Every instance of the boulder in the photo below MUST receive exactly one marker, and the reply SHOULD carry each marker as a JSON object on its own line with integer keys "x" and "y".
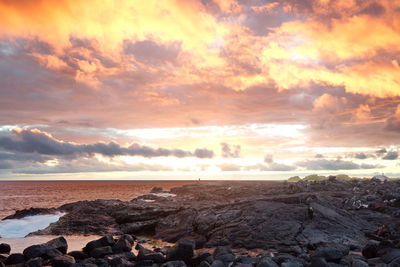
{"x": 42, "y": 251}
{"x": 292, "y": 263}
{"x": 149, "y": 255}
{"x": 370, "y": 250}
{"x": 35, "y": 262}
{"x": 318, "y": 262}
{"x": 62, "y": 261}
{"x": 122, "y": 245}
{"x": 267, "y": 262}
{"x": 58, "y": 243}
{"x": 174, "y": 264}
{"x": 15, "y": 258}
{"x": 183, "y": 251}
{"x": 204, "y": 264}
{"x": 332, "y": 251}
{"x": 5, "y": 248}
{"x": 224, "y": 254}
{"x": 217, "y": 263}
{"x": 101, "y": 252}
{"x": 78, "y": 255}
{"x": 107, "y": 240}
{"x": 391, "y": 255}
{"x": 359, "y": 263}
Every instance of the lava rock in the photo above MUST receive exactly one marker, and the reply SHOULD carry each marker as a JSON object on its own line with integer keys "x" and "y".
{"x": 78, "y": 255}
{"x": 62, "y": 261}
{"x": 35, "y": 262}
{"x": 5, "y": 248}
{"x": 217, "y": 263}
{"x": 42, "y": 251}
{"x": 101, "y": 252}
{"x": 183, "y": 251}
{"x": 105, "y": 241}
{"x": 359, "y": 263}
{"x": 267, "y": 262}
{"x": 149, "y": 255}
{"x": 174, "y": 264}
{"x": 332, "y": 251}
{"x": 223, "y": 254}
{"x": 370, "y": 250}
{"x": 15, "y": 258}
{"x": 122, "y": 245}
{"x": 58, "y": 243}
{"x": 391, "y": 255}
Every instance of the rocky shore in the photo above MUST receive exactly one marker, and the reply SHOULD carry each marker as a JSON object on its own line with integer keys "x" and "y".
{"x": 251, "y": 224}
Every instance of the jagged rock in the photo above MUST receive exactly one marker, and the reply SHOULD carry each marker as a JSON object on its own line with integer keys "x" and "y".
{"x": 371, "y": 249}
{"x": 149, "y": 255}
{"x": 101, "y": 252}
{"x": 359, "y": 263}
{"x": 204, "y": 264}
{"x": 105, "y": 241}
{"x": 291, "y": 263}
{"x": 217, "y": 263}
{"x": 122, "y": 245}
{"x": 43, "y": 251}
{"x": 15, "y": 258}
{"x": 62, "y": 261}
{"x": 318, "y": 262}
{"x": 59, "y": 243}
{"x": 224, "y": 254}
{"x": 391, "y": 255}
{"x": 5, "y": 248}
{"x": 35, "y": 262}
{"x": 174, "y": 264}
{"x": 267, "y": 262}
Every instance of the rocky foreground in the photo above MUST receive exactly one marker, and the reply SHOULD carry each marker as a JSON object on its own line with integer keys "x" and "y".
{"x": 251, "y": 224}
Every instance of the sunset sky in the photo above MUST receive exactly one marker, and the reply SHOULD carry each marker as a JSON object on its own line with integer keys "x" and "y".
{"x": 171, "y": 89}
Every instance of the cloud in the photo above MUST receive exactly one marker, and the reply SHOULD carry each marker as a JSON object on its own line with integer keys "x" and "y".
{"x": 324, "y": 164}
{"x": 360, "y": 156}
{"x": 36, "y": 141}
{"x": 391, "y": 155}
{"x": 228, "y": 151}
{"x": 278, "y": 167}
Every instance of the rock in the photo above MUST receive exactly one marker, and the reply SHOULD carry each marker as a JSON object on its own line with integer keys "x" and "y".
{"x": 267, "y": 262}
{"x": 370, "y": 250}
{"x": 291, "y": 263}
{"x": 105, "y": 241}
{"x": 204, "y": 264}
{"x": 62, "y": 261}
{"x": 120, "y": 261}
{"x": 391, "y": 255}
{"x": 174, "y": 264}
{"x": 15, "y": 258}
{"x": 224, "y": 254}
{"x": 332, "y": 251}
{"x": 58, "y": 243}
{"x": 122, "y": 245}
{"x": 395, "y": 263}
{"x": 318, "y": 262}
{"x": 78, "y": 255}
{"x": 127, "y": 256}
{"x": 5, "y": 248}
{"x": 218, "y": 263}
{"x": 42, "y": 251}
{"x": 149, "y": 255}
{"x": 183, "y": 251}
{"x": 156, "y": 189}
{"x": 359, "y": 263}
{"x": 35, "y": 262}
{"x": 101, "y": 252}
{"x": 83, "y": 265}
{"x": 202, "y": 256}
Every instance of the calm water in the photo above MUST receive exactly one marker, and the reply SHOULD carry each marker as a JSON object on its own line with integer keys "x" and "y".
{"x": 46, "y": 194}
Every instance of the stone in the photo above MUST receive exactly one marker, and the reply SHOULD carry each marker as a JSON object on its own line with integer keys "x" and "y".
{"x": 332, "y": 251}
{"x": 292, "y": 263}
{"x": 318, "y": 262}
{"x": 62, "y": 261}
{"x": 105, "y": 241}
{"x": 370, "y": 250}
{"x": 217, "y": 263}
{"x": 78, "y": 255}
{"x": 122, "y": 245}
{"x": 59, "y": 243}
{"x": 174, "y": 264}
{"x": 267, "y": 262}
{"x": 149, "y": 255}
{"x": 182, "y": 251}
{"x": 15, "y": 258}
{"x": 391, "y": 255}
{"x": 101, "y": 252}
{"x": 35, "y": 262}
{"x": 224, "y": 254}
{"x": 359, "y": 263}
{"x": 5, "y": 248}
{"x": 43, "y": 251}
{"x": 204, "y": 264}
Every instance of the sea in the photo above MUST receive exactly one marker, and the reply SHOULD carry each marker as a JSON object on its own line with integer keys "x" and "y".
{"x": 17, "y": 195}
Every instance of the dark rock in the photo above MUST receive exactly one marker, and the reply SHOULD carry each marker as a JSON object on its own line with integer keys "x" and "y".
{"x": 149, "y": 255}
{"x": 224, "y": 254}
{"x": 370, "y": 250}
{"x": 62, "y": 261}
{"x": 204, "y": 264}
{"x": 395, "y": 263}
{"x": 245, "y": 260}
{"x": 101, "y": 252}
{"x": 83, "y": 265}
{"x": 78, "y": 255}
{"x": 391, "y": 255}
{"x": 120, "y": 261}
{"x": 43, "y": 251}
{"x": 218, "y": 263}
{"x": 183, "y": 251}
{"x": 359, "y": 263}
{"x": 122, "y": 245}
{"x": 35, "y": 262}
{"x": 5, "y": 248}
{"x": 19, "y": 214}
{"x": 15, "y": 258}
{"x": 156, "y": 189}
{"x": 197, "y": 259}
{"x": 105, "y": 241}
{"x": 291, "y": 263}
{"x": 58, "y": 243}
{"x": 332, "y": 251}
{"x": 174, "y": 264}
{"x": 129, "y": 256}
{"x": 318, "y": 262}
{"x": 267, "y": 262}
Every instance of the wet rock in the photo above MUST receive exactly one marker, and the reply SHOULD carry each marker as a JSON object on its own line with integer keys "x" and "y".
{"x": 35, "y": 262}
{"x": 122, "y": 245}
{"x": 15, "y": 258}
{"x": 174, "y": 264}
{"x": 62, "y": 261}
{"x": 182, "y": 251}
{"x": 101, "y": 252}
{"x": 332, "y": 251}
{"x": 5, "y": 248}
{"x": 78, "y": 255}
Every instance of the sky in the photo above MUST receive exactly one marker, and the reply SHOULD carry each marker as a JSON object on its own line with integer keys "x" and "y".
{"x": 187, "y": 89}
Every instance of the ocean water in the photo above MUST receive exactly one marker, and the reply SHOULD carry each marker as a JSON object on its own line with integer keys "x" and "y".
{"x": 47, "y": 194}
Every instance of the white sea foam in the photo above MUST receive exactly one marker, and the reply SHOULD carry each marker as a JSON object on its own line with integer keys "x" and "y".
{"x": 15, "y": 228}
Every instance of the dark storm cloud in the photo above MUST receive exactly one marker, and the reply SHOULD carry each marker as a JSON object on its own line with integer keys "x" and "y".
{"x": 35, "y": 141}
{"x": 360, "y": 156}
{"x": 23, "y": 157}
{"x": 228, "y": 151}
{"x": 391, "y": 155}
{"x": 151, "y": 52}
{"x": 324, "y": 164}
